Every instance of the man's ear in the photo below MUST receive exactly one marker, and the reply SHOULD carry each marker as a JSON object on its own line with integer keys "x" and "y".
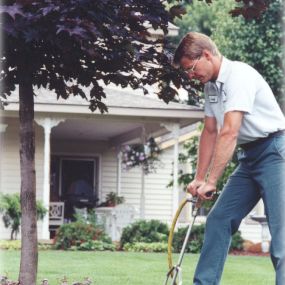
{"x": 207, "y": 54}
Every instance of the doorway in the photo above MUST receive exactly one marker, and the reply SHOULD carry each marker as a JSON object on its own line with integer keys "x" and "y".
{"x": 75, "y": 182}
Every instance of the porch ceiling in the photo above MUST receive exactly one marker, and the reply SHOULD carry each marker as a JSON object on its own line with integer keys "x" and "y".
{"x": 128, "y": 113}
{"x": 91, "y": 129}
{"x": 114, "y": 131}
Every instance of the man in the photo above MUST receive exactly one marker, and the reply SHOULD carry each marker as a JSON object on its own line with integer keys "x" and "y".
{"x": 240, "y": 109}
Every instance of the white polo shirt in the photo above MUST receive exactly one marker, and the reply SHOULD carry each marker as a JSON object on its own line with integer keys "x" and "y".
{"x": 239, "y": 87}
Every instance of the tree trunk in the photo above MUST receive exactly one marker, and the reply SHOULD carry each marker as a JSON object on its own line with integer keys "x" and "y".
{"x": 29, "y": 250}
{"x": 12, "y": 235}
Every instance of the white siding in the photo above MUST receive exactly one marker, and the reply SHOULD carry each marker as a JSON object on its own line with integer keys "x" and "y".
{"x": 158, "y": 195}
{"x": 108, "y": 174}
{"x": 10, "y": 180}
{"x": 158, "y": 198}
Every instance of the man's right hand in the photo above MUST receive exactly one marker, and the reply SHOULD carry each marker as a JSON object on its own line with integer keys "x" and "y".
{"x": 194, "y": 185}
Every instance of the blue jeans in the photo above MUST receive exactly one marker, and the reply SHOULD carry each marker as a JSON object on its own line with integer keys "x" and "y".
{"x": 260, "y": 174}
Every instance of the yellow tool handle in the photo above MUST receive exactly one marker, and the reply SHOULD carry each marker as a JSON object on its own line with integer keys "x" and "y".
{"x": 171, "y": 233}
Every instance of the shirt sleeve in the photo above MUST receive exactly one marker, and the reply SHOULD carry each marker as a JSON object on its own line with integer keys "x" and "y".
{"x": 207, "y": 108}
{"x": 240, "y": 92}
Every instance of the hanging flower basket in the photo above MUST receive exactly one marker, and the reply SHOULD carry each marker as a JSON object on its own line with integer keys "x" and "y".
{"x": 146, "y": 156}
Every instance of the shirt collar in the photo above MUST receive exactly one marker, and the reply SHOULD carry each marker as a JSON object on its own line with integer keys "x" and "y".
{"x": 224, "y": 70}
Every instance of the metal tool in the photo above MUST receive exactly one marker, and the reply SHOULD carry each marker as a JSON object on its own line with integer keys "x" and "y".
{"x": 175, "y": 271}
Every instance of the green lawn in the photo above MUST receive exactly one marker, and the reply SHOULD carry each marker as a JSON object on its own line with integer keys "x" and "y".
{"x": 121, "y": 268}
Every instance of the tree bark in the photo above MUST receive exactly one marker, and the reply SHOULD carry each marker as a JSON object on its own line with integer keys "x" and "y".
{"x": 29, "y": 250}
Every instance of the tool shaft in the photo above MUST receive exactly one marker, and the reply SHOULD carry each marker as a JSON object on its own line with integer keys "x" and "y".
{"x": 182, "y": 252}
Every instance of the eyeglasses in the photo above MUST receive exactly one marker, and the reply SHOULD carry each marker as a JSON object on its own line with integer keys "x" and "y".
{"x": 192, "y": 68}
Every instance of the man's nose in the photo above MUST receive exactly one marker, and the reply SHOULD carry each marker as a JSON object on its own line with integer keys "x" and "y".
{"x": 191, "y": 75}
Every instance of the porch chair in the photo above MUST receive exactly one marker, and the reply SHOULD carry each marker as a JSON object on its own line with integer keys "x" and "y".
{"x": 56, "y": 216}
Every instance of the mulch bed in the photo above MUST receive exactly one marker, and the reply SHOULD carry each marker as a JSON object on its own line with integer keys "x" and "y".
{"x": 248, "y": 253}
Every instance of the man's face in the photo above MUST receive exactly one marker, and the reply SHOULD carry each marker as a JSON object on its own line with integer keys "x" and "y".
{"x": 200, "y": 68}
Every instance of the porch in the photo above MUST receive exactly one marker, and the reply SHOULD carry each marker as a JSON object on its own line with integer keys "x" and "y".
{"x": 75, "y": 146}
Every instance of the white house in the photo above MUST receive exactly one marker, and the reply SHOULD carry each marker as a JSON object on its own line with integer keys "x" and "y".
{"x": 72, "y": 144}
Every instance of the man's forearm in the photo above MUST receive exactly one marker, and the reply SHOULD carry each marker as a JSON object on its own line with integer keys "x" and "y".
{"x": 224, "y": 149}
{"x": 205, "y": 153}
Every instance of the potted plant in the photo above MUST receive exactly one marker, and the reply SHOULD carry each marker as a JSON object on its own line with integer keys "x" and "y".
{"x": 145, "y": 155}
{"x": 112, "y": 199}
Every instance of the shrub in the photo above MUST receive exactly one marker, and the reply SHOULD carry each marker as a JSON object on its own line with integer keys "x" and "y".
{"x": 98, "y": 245}
{"x": 83, "y": 234}
{"x": 196, "y": 239}
{"x": 76, "y": 233}
{"x": 146, "y": 247}
{"x": 10, "y": 245}
{"x": 16, "y": 245}
{"x": 145, "y": 231}
{"x": 10, "y": 207}
{"x": 237, "y": 241}
{"x": 44, "y": 246}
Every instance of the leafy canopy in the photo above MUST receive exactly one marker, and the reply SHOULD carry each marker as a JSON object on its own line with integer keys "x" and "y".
{"x": 68, "y": 45}
{"x": 258, "y": 41}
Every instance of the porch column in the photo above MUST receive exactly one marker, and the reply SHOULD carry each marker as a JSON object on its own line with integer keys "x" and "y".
{"x": 175, "y": 130}
{"x": 47, "y": 124}
{"x": 2, "y": 130}
{"x": 142, "y": 198}
{"x": 119, "y": 172}
{"x": 260, "y": 208}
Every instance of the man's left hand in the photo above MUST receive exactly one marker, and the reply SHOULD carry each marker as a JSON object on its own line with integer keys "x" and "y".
{"x": 206, "y": 191}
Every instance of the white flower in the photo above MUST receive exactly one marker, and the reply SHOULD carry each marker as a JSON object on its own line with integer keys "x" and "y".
{"x": 146, "y": 150}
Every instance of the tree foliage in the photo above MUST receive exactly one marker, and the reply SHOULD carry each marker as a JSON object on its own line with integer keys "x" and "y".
{"x": 201, "y": 17}
{"x": 65, "y": 46}
{"x": 189, "y": 157}
{"x": 257, "y": 41}
{"x": 68, "y": 45}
